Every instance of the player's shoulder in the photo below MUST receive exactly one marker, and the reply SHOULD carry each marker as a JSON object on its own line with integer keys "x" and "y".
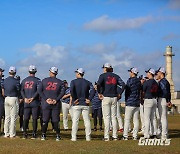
{"x": 26, "y": 78}
{"x": 87, "y": 81}
{"x": 37, "y": 79}
{"x": 45, "y": 79}
{"x": 60, "y": 81}
{"x": 115, "y": 75}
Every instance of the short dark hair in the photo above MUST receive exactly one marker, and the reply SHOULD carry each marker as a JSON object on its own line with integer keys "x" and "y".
{"x": 12, "y": 73}
{"x": 109, "y": 69}
{"x": 81, "y": 74}
{"x": 32, "y": 72}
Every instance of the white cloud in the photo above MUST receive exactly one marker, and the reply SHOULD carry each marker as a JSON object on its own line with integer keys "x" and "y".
{"x": 44, "y": 56}
{"x": 171, "y": 36}
{"x": 48, "y": 53}
{"x": 174, "y": 4}
{"x": 121, "y": 59}
{"x": 107, "y": 24}
{"x": 99, "y": 48}
{"x": 2, "y": 62}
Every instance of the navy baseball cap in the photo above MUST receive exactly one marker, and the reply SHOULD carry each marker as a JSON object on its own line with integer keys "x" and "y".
{"x": 1, "y": 70}
{"x": 65, "y": 81}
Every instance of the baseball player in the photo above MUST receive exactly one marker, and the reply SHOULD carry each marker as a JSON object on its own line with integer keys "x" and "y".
{"x": 30, "y": 95}
{"x": 142, "y": 79}
{"x": 82, "y": 94}
{"x": 11, "y": 92}
{"x": 96, "y": 108}
{"x": 21, "y": 107}
{"x": 119, "y": 118}
{"x": 1, "y": 97}
{"x": 107, "y": 89}
{"x": 150, "y": 92}
{"x": 66, "y": 106}
{"x": 132, "y": 101}
{"x": 51, "y": 90}
{"x": 164, "y": 100}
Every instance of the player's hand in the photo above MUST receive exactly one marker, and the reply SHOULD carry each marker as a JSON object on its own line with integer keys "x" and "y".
{"x": 30, "y": 100}
{"x": 88, "y": 101}
{"x": 101, "y": 97}
{"x": 20, "y": 101}
{"x": 26, "y": 100}
{"x": 118, "y": 96}
{"x": 49, "y": 101}
{"x": 169, "y": 104}
{"x": 54, "y": 101}
{"x": 76, "y": 102}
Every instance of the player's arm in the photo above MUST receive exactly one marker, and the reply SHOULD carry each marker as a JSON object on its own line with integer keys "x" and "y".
{"x": 67, "y": 95}
{"x": 61, "y": 92}
{"x": 91, "y": 91}
{"x": 72, "y": 89}
{"x": 18, "y": 86}
{"x": 36, "y": 93}
{"x": 99, "y": 86}
{"x": 2, "y": 87}
{"x": 127, "y": 89}
{"x": 40, "y": 91}
{"x": 72, "y": 92}
{"x": 99, "y": 83}
{"x": 122, "y": 85}
{"x": 144, "y": 89}
{"x": 22, "y": 90}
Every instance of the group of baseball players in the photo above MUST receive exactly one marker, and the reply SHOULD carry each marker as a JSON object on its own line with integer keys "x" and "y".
{"x": 147, "y": 95}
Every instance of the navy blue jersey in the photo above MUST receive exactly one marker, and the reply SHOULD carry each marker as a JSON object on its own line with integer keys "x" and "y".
{"x": 81, "y": 89}
{"x": 52, "y": 88}
{"x": 29, "y": 88}
{"x": 11, "y": 87}
{"x": 66, "y": 100}
{"x": 150, "y": 89}
{"x": 107, "y": 84}
{"x": 1, "y": 97}
{"x": 132, "y": 92}
{"x": 96, "y": 102}
{"x": 164, "y": 89}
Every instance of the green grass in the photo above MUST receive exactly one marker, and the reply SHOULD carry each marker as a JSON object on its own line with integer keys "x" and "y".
{"x": 19, "y": 145}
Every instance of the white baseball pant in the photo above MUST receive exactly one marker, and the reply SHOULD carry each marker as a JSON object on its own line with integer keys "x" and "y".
{"x": 163, "y": 117}
{"x": 66, "y": 108}
{"x": 77, "y": 110}
{"x": 129, "y": 111}
{"x": 119, "y": 118}
{"x": 142, "y": 117}
{"x": 109, "y": 110}
{"x": 11, "y": 105}
{"x": 149, "y": 115}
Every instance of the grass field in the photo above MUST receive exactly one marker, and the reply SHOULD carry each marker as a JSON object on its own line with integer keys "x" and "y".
{"x": 27, "y": 146}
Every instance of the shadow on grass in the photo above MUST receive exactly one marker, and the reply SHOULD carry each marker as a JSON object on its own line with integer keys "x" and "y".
{"x": 174, "y": 133}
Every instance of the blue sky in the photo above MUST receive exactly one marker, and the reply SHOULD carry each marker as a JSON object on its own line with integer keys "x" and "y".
{"x": 87, "y": 33}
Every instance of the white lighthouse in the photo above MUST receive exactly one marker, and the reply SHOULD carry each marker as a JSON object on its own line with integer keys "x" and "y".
{"x": 168, "y": 55}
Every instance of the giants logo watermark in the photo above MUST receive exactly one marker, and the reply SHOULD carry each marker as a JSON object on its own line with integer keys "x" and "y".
{"x": 162, "y": 142}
